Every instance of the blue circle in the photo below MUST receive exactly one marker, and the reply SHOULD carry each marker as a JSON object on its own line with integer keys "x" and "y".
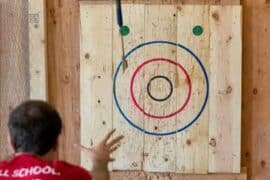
{"x": 171, "y": 132}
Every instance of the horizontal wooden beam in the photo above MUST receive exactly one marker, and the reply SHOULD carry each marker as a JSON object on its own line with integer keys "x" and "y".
{"x": 198, "y": 2}
{"x": 138, "y": 175}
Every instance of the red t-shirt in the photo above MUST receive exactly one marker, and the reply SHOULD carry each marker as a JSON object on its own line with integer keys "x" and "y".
{"x": 31, "y": 167}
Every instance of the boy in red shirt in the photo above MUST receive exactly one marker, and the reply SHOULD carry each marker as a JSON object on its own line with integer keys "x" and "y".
{"x": 34, "y": 127}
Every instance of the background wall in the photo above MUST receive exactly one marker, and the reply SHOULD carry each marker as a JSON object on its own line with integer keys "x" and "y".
{"x": 63, "y": 70}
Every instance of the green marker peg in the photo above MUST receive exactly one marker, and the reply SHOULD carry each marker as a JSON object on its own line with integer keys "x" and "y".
{"x": 197, "y": 30}
{"x": 124, "y": 30}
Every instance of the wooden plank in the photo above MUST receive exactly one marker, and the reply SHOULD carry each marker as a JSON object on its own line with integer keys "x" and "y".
{"x": 96, "y": 72}
{"x": 63, "y": 72}
{"x": 195, "y": 2}
{"x": 159, "y": 151}
{"x": 225, "y": 83}
{"x": 130, "y": 154}
{"x": 192, "y": 144}
{"x": 253, "y": 4}
{"x": 135, "y": 175}
{"x": 14, "y": 86}
{"x": 256, "y": 99}
{"x": 37, "y": 49}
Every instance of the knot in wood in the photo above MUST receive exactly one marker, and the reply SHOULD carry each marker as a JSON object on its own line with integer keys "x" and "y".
{"x": 213, "y": 142}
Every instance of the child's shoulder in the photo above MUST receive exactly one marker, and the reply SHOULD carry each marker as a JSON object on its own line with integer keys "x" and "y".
{"x": 71, "y": 169}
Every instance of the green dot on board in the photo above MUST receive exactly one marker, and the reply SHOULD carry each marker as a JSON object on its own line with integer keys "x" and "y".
{"x": 197, "y": 30}
{"x": 124, "y": 30}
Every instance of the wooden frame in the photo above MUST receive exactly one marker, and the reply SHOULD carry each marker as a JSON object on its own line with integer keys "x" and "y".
{"x": 93, "y": 68}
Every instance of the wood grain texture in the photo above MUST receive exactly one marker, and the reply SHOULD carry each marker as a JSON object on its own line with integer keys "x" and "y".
{"x": 225, "y": 88}
{"x": 255, "y": 134}
{"x": 96, "y": 72}
{"x": 135, "y": 175}
{"x": 63, "y": 72}
{"x": 130, "y": 153}
{"x": 256, "y": 99}
{"x": 163, "y": 22}
{"x": 251, "y": 39}
{"x": 195, "y": 2}
{"x": 14, "y": 75}
{"x": 249, "y": 4}
{"x": 37, "y": 49}
{"x": 160, "y": 152}
{"x": 192, "y": 144}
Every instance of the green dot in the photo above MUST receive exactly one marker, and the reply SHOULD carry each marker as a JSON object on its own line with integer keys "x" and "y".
{"x": 124, "y": 30}
{"x": 197, "y": 30}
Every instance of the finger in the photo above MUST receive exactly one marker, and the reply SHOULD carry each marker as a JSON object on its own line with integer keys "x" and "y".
{"x": 115, "y": 141}
{"x": 81, "y": 147}
{"x": 107, "y": 137}
{"x": 113, "y": 149}
{"x": 111, "y": 159}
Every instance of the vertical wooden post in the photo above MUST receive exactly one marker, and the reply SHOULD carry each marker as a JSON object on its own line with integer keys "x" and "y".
{"x": 37, "y": 49}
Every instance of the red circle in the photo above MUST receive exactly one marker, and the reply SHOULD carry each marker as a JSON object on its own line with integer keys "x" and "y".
{"x": 132, "y": 86}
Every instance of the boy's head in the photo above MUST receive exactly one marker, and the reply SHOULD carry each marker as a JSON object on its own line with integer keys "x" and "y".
{"x": 34, "y": 127}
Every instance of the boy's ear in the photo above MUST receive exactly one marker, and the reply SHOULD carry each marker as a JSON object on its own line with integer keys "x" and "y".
{"x": 10, "y": 146}
{"x": 54, "y": 148}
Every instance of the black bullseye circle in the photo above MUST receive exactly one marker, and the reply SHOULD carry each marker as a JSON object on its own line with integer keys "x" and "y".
{"x": 149, "y": 88}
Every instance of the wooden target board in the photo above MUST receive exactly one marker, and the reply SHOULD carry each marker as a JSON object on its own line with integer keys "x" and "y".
{"x": 179, "y": 102}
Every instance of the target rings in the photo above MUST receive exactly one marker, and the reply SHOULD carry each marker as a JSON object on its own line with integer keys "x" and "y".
{"x": 149, "y": 88}
{"x": 160, "y": 78}
{"x": 148, "y": 62}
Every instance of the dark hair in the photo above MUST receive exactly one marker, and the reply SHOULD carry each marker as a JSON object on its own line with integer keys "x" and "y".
{"x": 34, "y": 127}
